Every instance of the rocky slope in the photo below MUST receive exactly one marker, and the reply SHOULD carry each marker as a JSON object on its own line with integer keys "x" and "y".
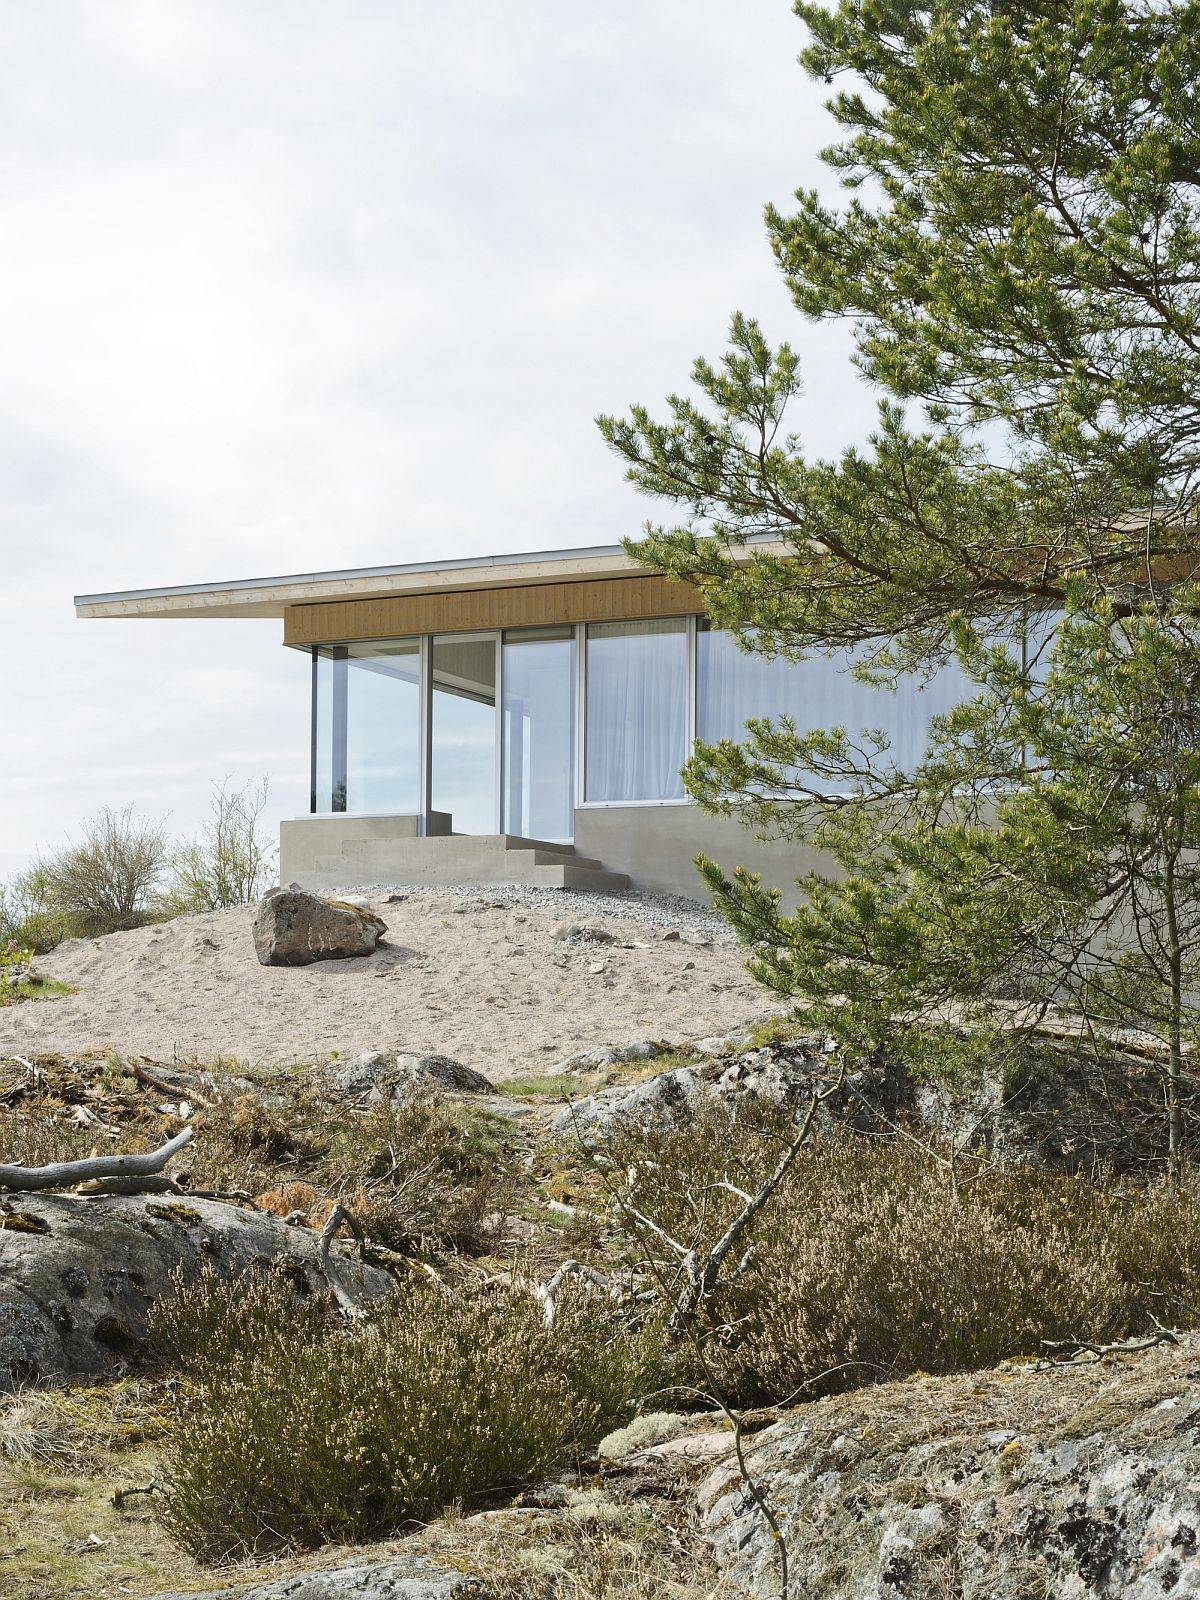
{"x": 1080, "y": 1482}
{"x": 79, "y": 1276}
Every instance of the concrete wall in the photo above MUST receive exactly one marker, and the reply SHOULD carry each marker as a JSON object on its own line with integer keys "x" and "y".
{"x": 655, "y": 846}
{"x": 306, "y": 842}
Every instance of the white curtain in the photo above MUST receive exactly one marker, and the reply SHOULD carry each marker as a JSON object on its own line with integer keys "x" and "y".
{"x": 821, "y": 692}
{"x": 636, "y": 710}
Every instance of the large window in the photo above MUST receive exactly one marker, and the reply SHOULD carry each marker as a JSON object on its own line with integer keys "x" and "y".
{"x": 366, "y": 720}
{"x": 514, "y": 767}
{"x": 734, "y": 685}
{"x": 539, "y": 732}
{"x": 463, "y": 745}
{"x": 637, "y": 698}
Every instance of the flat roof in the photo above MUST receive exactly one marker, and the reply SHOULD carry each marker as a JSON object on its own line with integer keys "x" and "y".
{"x": 267, "y": 597}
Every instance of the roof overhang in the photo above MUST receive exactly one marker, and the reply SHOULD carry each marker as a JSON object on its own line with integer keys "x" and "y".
{"x": 268, "y": 597}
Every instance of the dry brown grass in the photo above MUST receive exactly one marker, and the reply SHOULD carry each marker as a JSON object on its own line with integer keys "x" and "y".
{"x": 868, "y": 1264}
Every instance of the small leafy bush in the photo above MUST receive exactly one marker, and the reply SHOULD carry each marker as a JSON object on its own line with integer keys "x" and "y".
{"x": 107, "y": 880}
{"x": 868, "y": 1264}
{"x": 26, "y": 919}
{"x": 298, "y": 1429}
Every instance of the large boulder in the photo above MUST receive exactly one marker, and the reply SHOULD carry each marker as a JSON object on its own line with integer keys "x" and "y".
{"x": 398, "y": 1075}
{"x": 79, "y": 1276}
{"x": 294, "y": 928}
{"x": 1078, "y": 1482}
{"x": 410, "y": 1578}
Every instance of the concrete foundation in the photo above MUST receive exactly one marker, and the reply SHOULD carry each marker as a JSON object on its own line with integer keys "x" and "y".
{"x": 656, "y": 845}
{"x": 651, "y": 847}
{"x": 339, "y": 852}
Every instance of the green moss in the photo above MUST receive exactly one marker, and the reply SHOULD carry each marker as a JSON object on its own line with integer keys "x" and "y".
{"x": 173, "y": 1211}
{"x": 22, "y": 1222}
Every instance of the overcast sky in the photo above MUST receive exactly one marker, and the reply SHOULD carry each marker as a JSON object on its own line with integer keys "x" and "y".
{"x": 291, "y": 285}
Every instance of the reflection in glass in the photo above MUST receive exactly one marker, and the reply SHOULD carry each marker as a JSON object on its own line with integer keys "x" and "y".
{"x": 539, "y": 733}
{"x": 636, "y": 710}
{"x": 367, "y": 728}
{"x": 322, "y": 754}
{"x": 463, "y": 751}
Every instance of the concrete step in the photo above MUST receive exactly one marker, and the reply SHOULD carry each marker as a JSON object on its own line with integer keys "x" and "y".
{"x": 451, "y": 847}
{"x": 590, "y": 880}
{"x": 462, "y": 859}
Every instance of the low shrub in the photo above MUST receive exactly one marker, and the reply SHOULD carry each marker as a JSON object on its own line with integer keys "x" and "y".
{"x": 868, "y": 1264}
{"x": 107, "y": 880}
{"x": 25, "y": 918}
{"x": 419, "y": 1175}
{"x": 297, "y": 1429}
{"x": 231, "y": 862}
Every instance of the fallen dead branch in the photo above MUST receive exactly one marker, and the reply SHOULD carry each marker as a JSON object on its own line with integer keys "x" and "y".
{"x": 66, "y": 1174}
{"x": 547, "y": 1293}
{"x": 152, "y": 1080}
{"x": 1063, "y": 1352}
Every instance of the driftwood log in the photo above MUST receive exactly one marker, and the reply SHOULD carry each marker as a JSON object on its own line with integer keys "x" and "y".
{"x": 66, "y": 1174}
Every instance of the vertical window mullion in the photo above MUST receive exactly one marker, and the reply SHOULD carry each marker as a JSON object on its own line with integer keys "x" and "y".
{"x": 424, "y": 735}
{"x": 339, "y": 720}
{"x": 580, "y": 794}
{"x": 690, "y": 727}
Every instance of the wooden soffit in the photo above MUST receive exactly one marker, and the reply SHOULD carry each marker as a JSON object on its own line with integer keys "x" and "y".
{"x": 533, "y": 606}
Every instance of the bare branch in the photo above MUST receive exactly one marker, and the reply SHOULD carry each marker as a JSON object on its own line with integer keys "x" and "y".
{"x": 66, "y": 1174}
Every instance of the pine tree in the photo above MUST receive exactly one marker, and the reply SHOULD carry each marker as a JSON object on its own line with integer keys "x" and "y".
{"x": 1019, "y": 254}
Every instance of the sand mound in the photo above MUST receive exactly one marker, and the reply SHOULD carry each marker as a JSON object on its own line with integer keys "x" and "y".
{"x": 475, "y": 977}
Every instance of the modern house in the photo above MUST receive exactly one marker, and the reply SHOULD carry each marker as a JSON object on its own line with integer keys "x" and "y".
{"x": 524, "y": 718}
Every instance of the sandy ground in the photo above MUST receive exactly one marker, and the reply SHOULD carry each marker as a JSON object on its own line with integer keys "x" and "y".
{"x": 479, "y": 981}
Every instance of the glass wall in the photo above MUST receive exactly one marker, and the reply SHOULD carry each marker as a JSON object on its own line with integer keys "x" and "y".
{"x": 733, "y": 685}
{"x": 463, "y": 741}
{"x": 637, "y": 700}
{"x": 367, "y": 727}
{"x": 539, "y": 732}
{"x": 644, "y": 691}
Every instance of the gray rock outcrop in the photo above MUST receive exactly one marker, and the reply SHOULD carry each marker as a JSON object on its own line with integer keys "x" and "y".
{"x": 1077, "y": 1482}
{"x": 294, "y": 928}
{"x": 408, "y": 1579}
{"x": 611, "y": 1055}
{"x": 1053, "y": 1107}
{"x": 667, "y": 1098}
{"x": 80, "y": 1276}
{"x": 398, "y": 1075}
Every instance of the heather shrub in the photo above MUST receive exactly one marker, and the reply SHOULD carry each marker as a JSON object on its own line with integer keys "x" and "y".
{"x": 869, "y": 1264}
{"x": 423, "y": 1174}
{"x": 298, "y": 1429}
{"x": 430, "y": 1173}
{"x": 298, "y": 1434}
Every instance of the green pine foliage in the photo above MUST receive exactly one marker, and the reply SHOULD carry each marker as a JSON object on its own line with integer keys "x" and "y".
{"x": 1017, "y": 253}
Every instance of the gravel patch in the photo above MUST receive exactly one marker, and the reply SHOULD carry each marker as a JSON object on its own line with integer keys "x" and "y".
{"x": 575, "y": 905}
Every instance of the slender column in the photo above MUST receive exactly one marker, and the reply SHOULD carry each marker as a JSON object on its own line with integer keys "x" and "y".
{"x": 425, "y": 735}
{"x": 312, "y": 741}
{"x": 338, "y": 720}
